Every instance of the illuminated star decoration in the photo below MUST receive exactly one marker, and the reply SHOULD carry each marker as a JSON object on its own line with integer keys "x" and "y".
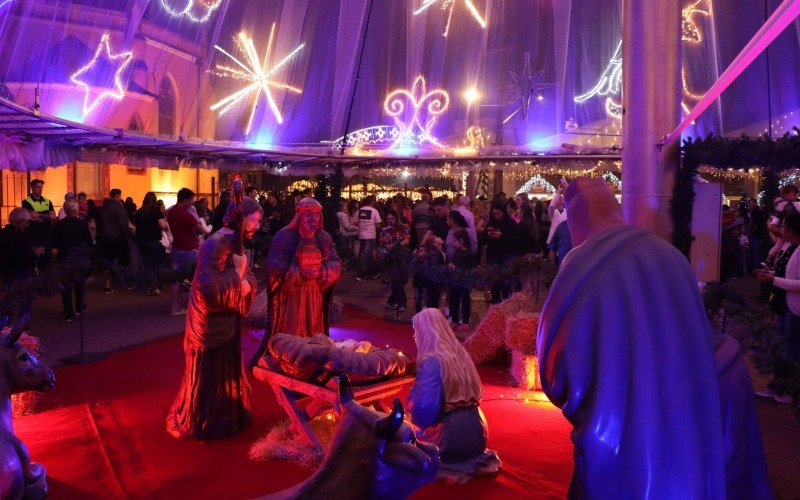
{"x": 121, "y": 61}
{"x": 257, "y": 73}
{"x": 609, "y": 84}
{"x": 524, "y": 86}
{"x": 447, "y": 5}
{"x": 424, "y": 109}
{"x": 198, "y": 11}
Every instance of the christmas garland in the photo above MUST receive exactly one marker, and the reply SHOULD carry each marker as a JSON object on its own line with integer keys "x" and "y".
{"x": 773, "y": 155}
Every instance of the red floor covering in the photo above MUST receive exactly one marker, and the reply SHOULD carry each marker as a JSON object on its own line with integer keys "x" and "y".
{"x": 101, "y": 434}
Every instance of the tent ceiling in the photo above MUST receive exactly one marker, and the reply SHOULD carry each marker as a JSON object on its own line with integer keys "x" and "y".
{"x": 101, "y": 144}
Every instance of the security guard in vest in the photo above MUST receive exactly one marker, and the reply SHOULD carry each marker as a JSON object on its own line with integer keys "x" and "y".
{"x": 42, "y": 217}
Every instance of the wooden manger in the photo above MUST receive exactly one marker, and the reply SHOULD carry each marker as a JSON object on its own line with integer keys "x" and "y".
{"x": 303, "y": 401}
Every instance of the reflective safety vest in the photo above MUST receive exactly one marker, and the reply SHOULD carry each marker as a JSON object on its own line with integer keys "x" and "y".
{"x": 41, "y": 206}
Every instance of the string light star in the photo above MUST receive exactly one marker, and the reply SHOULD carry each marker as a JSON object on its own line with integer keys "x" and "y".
{"x": 447, "y": 5}
{"x": 257, "y": 73}
{"x": 121, "y": 61}
{"x": 525, "y": 85}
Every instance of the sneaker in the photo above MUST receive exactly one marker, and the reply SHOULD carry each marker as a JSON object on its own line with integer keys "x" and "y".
{"x": 109, "y": 291}
{"x": 131, "y": 286}
{"x": 386, "y": 281}
{"x": 179, "y": 312}
{"x": 359, "y": 279}
{"x": 401, "y": 309}
{"x": 766, "y": 394}
{"x": 156, "y": 291}
{"x": 464, "y": 328}
{"x": 81, "y": 311}
{"x": 256, "y": 266}
{"x": 67, "y": 320}
{"x": 393, "y": 306}
{"x": 376, "y": 276}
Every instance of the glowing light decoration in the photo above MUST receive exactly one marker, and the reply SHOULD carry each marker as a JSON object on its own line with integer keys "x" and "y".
{"x": 613, "y": 181}
{"x": 537, "y": 183}
{"x": 415, "y": 112}
{"x": 257, "y": 74}
{"x": 121, "y": 61}
{"x": 448, "y": 5}
{"x": 525, "y": 84}
{"x": 3, "y": 3}
{"x": 380, "y": 136}
{"x": 198, "y": 11}
{"x": 691, "y": 32}
{"x": 609, "y": 84}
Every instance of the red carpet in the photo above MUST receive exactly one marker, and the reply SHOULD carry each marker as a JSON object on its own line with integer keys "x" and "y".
{"x": 101, "y": 434}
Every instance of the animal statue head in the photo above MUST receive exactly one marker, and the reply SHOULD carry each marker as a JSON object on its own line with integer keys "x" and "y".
{"x": 19, "y": 371}
{"x": 19, "y": 368}
{"x": 373, "y": 455}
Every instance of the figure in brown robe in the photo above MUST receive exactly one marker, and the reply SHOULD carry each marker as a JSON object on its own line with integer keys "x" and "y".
{"x": 214, "y": 399}
{"x": 303, "y": 269}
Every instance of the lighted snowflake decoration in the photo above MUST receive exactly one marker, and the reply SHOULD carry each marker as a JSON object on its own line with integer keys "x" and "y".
{"x": 257, "y": 74}
{"x": 447, "y": 6}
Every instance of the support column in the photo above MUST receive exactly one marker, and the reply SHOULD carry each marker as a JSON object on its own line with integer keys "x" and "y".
{"x": 651, "y": 97}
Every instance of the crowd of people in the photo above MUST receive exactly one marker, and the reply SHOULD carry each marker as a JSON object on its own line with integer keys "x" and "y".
{"x": 151, "y": 246}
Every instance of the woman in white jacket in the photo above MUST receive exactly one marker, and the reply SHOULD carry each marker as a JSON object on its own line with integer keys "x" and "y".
{"x": 789, "y": 281}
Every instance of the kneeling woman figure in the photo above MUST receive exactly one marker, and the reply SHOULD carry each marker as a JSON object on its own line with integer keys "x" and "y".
{"x": 444, "y": 402}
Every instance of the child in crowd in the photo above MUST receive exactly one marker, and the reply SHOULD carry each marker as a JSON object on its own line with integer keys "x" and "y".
{"x": 427, "y": 258}
{"x": 459, "y": 289}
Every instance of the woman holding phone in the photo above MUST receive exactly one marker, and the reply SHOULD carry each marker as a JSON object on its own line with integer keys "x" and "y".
{"x": 500, "y": 236}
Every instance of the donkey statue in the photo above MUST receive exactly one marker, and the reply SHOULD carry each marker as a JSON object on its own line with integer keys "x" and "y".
{"x": 372, "y": 456}
{"x": 19, "y": 371}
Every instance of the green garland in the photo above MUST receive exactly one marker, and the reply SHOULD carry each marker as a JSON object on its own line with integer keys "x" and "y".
{"x": 772, "y": 155}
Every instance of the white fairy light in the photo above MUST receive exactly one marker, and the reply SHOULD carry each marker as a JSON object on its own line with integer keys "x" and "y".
{"x": 207, "y": 7}
{"x": 447, "y": 5}
{"x": 257, "y": 73}
{"x": 122, "y": 60}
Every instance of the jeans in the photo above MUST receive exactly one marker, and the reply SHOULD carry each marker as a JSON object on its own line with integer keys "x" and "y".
{"x": 152, "y": 260}
{"x": 789, "y": 329}
{"x": 460, "y": 300}
{"x": 366, "y": 262}
{"x": 24, "y": 304}
{"x": 501, "y": 290}
{"x": 398, "y": 276}
{"x": 66, "y": 298}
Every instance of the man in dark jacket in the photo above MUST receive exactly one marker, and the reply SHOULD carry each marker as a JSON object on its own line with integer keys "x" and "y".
{"x": 70, "y": 233}
{"x": 17, "y": 253}
{"x": 116, "y": 234}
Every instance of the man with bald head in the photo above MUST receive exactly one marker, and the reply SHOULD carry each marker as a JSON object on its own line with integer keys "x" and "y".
{"x": 661, "y": 405}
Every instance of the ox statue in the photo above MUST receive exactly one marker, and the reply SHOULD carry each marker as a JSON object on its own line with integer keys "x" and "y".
{"x": 19, "y": 371}
{"x": 372, "y": 456}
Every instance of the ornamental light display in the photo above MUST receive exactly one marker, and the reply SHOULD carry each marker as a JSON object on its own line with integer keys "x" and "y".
{"x": 197, "y": 11}
{"x": 525, "y": 85}
{"x": 415, "y": 112}
{"x": 120, "y": 61}
{"x": 257, "y": 74}
{"x": 609, "y": 84}
{"x": 448, "y": 5}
